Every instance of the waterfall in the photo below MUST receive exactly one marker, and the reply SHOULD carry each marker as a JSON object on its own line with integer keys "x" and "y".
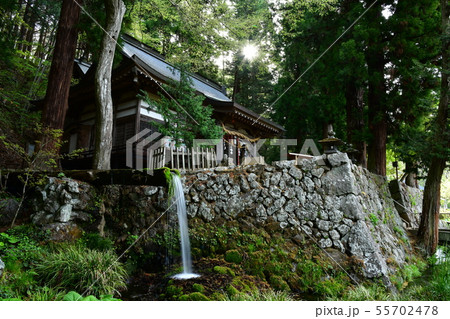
{"x": 180, "y": 203}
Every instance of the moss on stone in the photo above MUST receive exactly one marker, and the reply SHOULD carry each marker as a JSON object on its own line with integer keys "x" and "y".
{"x": 217, "y": 296}
{"x": 233, "y": 256}
{"x": 198, "y": 288}
{"x": 278, "y": 283}
{"x": 243, "y": 285}
{"x": 173, "y": 290}
{"x": 231, "y": 290}
{"x": 224, "y": 271}
{"x": 195, "y": 296}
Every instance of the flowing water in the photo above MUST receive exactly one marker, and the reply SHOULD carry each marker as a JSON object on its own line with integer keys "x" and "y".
{"x": 180, "y": 203}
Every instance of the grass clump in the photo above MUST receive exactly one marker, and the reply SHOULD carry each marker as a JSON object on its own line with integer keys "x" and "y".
{"x": 440, "y": 282}
{"x": 256, "y": 295}
{"x": 75, "y": 267}
{"x": 97, "y": 242}
{"x": 367, "y": 293}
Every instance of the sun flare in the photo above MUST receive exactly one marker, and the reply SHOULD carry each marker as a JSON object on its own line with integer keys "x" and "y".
{"x": 250, "y": 51}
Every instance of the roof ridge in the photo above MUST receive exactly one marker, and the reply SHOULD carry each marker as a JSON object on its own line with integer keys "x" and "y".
{"x": 142, "y": 46}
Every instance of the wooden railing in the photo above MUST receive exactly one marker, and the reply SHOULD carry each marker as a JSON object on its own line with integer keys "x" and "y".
{"x": 182, "y": 158}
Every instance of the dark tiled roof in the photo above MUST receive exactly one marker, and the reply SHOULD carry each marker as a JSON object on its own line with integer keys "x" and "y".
{"x": 165, "y": 70}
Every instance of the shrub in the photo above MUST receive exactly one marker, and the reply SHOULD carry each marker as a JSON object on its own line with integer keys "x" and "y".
{"x": 74, "y": 296}
{"x": 97, "y": 242}
{"x": 86, "y": 270}
{"x": 440, "y": 283}
{"x": 233, "y": 256}
{"x": 21, "y": 243}
{"x": 45, "y": 294}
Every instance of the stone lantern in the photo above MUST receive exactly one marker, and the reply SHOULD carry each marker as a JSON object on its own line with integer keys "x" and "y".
{"x": 330, "y": 143}
{"x": 352, "y": 153}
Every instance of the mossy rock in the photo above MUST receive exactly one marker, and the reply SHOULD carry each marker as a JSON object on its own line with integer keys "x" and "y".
{"x": 256, "y": 263}
{"x": 173, "y": 290}
{"x": 198, "y": 288}
{"x": 224, "y": 271}
{"x": 231, "y": 290}
{"x": 295, "y": 283}
{"x": 195, "y": 296}
{"x": 278, "y": 283}
{"x": 276, "y": 268}
{"x": 243, "y": 285}
{"x": 217, "y": 296}
{"x": 233, "y": 256}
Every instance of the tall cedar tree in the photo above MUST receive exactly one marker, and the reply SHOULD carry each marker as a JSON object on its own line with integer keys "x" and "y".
{"x": 376, "y": 96}
{"x": 56, "y": 98}
{"x": 428, "y": 229}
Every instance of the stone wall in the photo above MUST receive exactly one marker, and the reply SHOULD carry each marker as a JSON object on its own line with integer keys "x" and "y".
{"x": 338, "y": 206}
{"x": 408, "y": 201}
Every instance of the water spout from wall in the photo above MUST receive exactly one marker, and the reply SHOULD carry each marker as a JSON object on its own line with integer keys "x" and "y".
{"x": 180, "y": 203}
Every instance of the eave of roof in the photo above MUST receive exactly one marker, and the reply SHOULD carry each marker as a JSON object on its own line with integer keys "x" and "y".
{"x": 156, "y": 64}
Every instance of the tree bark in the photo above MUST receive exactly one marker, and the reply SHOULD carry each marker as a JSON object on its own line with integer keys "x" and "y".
{"x": 115, "y": 9}
{"x": 376, "y": 95}
{"x": 428, "y": 230}
{"x": 355, "y": 119}
{"x": 24, "y": 27}
{"x": 57, "y": 95}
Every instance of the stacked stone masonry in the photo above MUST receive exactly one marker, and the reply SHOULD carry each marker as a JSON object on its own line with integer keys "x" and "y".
{"x": 337, "y": 205}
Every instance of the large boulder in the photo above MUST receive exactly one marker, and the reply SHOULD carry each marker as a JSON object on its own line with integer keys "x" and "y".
{"x": 8, "y": 209}
{"x": 364, "y": 248}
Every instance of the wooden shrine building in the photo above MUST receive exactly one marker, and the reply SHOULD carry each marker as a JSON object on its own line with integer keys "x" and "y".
{"x": 142, "y": 69}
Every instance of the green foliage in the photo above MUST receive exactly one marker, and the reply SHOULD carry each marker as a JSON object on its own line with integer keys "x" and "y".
{"x": 198, "y": 288}
{"x": 75, "y": 267}
{"x": 374, "y": 219}
{"x": 45, "y": 294}
{"x": 267, "y": 295}
{"x": 22, "y": 244}
{"x": 224, "y": 271}
{"x": 233, "y": 256}
{"x": 194, "y": 296}
{"x": 277, "y": 283}
{"x": 440, "y": 283}
{"x": 97, "y": 242}
{"x": 367, "y": 293}
{"x": 74, "y": 296}
{"x": 186, "y": 118}
{"x": 398, "y": 231}
{"x": 174, "y": 291}
{"x": 188, "y": 32}
{"x": 168, "y": 173}
{"x": 16, "y": 281}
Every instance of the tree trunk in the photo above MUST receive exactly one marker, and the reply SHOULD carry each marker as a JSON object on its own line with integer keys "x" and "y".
{"x": 376, "y": 95}
{"x": 56, "y": 98}
{"x": 355, "y": 119}
{"x": 428, "y": 229}
{"x": 24, "y": 27}
{"x": 115, "y": 9}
